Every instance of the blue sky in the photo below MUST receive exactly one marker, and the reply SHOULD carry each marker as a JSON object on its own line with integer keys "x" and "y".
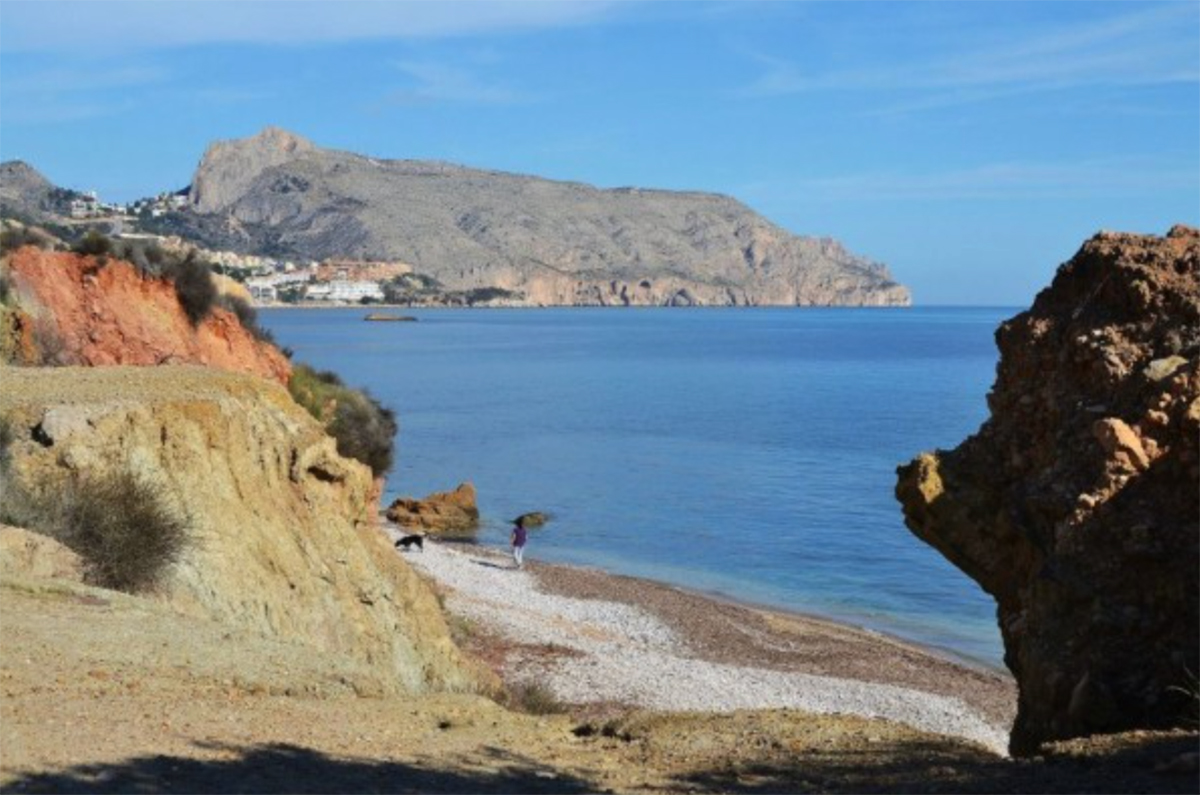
{"x": 970, "y": 146}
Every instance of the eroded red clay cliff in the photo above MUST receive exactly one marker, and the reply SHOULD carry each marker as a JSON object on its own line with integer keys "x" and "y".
{"x": 111, "y": 314}
{"x": 1076, "y": 503}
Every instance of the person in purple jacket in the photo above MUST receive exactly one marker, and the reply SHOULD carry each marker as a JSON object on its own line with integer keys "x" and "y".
{"x": 518, "y": 540}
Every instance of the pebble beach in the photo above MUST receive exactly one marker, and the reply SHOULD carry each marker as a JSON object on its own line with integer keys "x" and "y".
{"x": 595, "y": 638}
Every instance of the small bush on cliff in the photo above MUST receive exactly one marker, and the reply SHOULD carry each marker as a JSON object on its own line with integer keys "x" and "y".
{"x": 364, "y": 429}
{"x": 194, "y": 287}
{"x": 123, "y": 527}
{"x": 15, "y": 238}
{"x": 247, "y": 316}
{"x": 125, "y": 530}
{"x": 93, "y": 244}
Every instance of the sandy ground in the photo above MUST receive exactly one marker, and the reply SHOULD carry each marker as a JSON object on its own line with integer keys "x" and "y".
{"x": 102, "y": 692}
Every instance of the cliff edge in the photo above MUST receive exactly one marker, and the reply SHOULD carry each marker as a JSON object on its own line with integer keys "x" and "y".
{"x": 285, "y": 537}
{"x": 76, "y": 309}
{"x": 1075, "y": 504}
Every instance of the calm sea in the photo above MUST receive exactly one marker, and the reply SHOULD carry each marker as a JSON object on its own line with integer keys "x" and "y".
{"x": 746, "y": 452}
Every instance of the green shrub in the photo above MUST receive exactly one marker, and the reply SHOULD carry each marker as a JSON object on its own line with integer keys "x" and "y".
{"x": 93, "y": 244}
{"x": 13, "y": 239}
{"x": 125, "y": 530}
{"x": 194, "y": 288}
{"x": 364, "y": 429}
{"x": 247, "y": 316}
{"x": 146, "y": 256}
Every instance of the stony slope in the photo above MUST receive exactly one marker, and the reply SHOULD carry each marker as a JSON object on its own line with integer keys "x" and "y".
{"x": 1075, "y": 504}
{"x": 553, "y": 242}
{"x": 286, "y": 541}
{"x": 24, "y": 191}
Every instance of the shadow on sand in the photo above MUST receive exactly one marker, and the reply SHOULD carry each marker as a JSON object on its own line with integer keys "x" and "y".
{"x": 920, "y": 767}
{"x": 491, "y": 564}
{"x": 291, "y": 768}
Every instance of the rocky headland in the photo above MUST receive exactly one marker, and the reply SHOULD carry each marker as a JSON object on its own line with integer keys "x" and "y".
{"x": 1075, "y": 505}
{"x": 536, "y": 241}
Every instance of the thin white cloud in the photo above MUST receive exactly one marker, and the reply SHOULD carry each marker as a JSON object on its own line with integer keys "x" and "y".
{"x": 1147, "y": 47}
{"x": 439, "y": 82}
{"x": 67, "y": 80}
{"x": 61, "y": 112}
{"x": 1097, "y": 178}
{"x": 127, "y": 25}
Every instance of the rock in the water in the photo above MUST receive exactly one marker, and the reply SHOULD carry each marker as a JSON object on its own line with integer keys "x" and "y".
{"x": 532, "y": 519}
{"x": 1086, "y": 528}
{"x": 440, "y": 513}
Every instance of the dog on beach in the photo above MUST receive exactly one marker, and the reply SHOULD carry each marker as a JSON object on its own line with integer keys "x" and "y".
{"x": 408, "y": 542}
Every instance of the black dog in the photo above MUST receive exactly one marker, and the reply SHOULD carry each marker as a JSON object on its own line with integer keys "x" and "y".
{"x": 408, "y": 541}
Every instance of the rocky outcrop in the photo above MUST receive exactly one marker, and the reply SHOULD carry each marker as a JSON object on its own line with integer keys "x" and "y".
{"x": 285, "y": 538}
{"x": 550, "y": 243}
{"x": 444, "y": 512}
{"x": 228, "y": 168}
{"x": 83, "y": 312}
{"x": 1075, "y": 505}
{"x": 25, "y": 193}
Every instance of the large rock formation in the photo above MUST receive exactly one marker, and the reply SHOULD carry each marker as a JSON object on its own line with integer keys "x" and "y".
{"x": 228, "y": 168}
{"x": 77, "y": 311}
{"x": 550, "y": 242}
{"x": 286, "y": 540}
{"x": 1075, "y": 505}
{"x": 441, "y": 513}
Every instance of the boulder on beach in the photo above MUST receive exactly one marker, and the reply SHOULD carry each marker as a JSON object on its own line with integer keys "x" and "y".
{"x": 440, "y": 513}
{"x": 1074, "y": 505}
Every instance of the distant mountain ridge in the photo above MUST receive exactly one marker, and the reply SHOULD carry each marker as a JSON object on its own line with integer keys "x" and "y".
{"x": 539, "y": 241}
{"x": 550, "y": 242}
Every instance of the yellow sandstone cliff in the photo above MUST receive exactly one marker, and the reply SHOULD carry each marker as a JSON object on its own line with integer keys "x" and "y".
{"x": 286, "y": 541}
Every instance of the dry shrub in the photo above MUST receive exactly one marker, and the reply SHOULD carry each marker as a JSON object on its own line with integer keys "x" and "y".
{"x": 533, "y": 698}
{"x": 194, "y": 288}
{"x": 125, "y": 529}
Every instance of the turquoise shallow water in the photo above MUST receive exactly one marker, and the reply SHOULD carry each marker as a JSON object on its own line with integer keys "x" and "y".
{"x": 746, "y": 452}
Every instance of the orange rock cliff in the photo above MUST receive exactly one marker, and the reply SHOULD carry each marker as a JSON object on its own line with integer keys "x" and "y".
{"x": 82, "y": 312}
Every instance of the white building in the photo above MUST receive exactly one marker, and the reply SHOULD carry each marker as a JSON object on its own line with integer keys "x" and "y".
{"x": 353, "y": 292}
{"x": 262, "y": 292}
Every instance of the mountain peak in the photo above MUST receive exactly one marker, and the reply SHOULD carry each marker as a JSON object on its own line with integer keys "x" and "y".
{"x": 229, "y": 167}
{"x": 277, "y": 138}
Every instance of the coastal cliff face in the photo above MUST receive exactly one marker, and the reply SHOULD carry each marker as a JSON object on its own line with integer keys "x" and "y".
{"x": 1075, "y": 505}
{"x": 285, "y": 536}
{"x": 551, "y": 243}
{"x": 81, "y": 312}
